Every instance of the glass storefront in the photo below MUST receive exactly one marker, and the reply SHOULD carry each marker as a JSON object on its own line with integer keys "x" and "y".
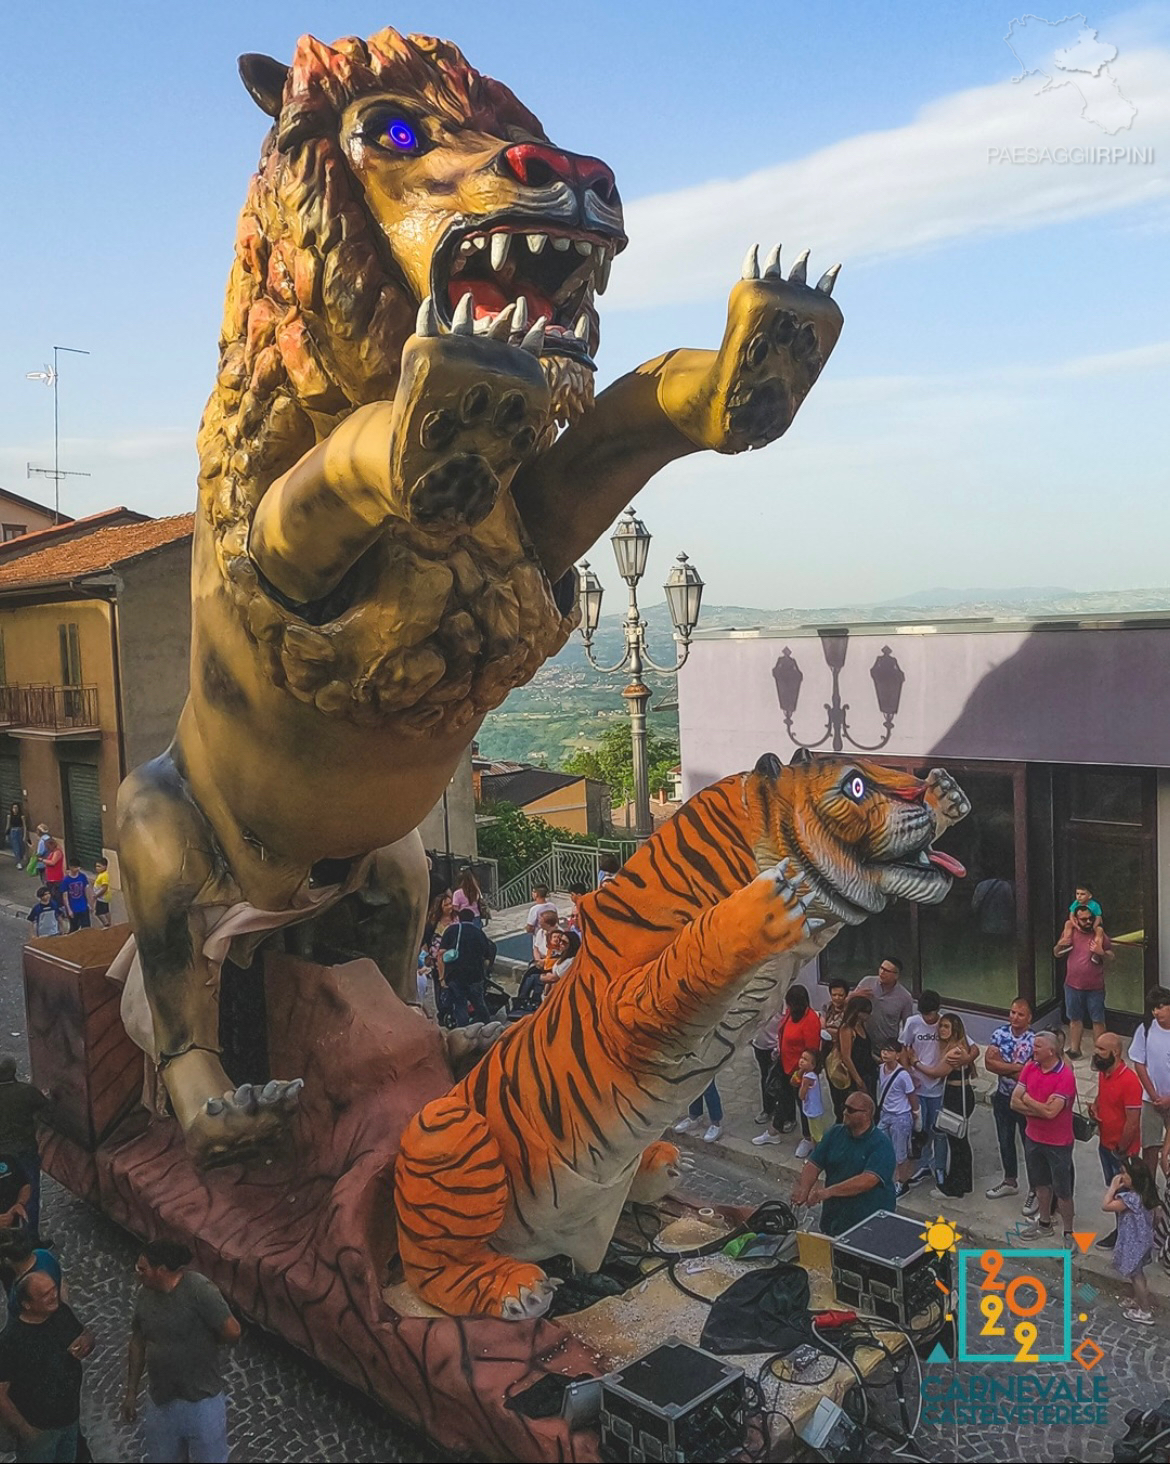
{"x": 1106, "y": 840}
{"x": 1032, "y": 835}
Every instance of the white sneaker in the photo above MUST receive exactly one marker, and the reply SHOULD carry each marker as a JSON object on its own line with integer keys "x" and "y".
{"x": 804, "y": 1148}
{"x": 1001, "y": 1190}
{"x": 768, "y": 1137}
{"x": 713, "y": 1134}
{"x": 687, "y": 1125}
{"x": 1136, "y": 1314}
{"x": 1031, "y": 1204}
{"x": 762, "y": 1117}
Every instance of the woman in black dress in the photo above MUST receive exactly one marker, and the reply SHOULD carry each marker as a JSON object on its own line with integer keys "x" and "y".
{"x": 856, "y": 1052}
{"x": 961, "y": 1058}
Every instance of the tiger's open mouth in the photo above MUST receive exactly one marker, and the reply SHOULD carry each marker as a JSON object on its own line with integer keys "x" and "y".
{"x": 923, "y": 875}
{"x": 554, "y": 270}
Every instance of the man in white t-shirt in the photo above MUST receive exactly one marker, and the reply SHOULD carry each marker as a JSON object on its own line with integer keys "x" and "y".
{"x": 924, "y": 1061}
{"x": 1149, "y": 1053}
{"x": 540, "y": 903}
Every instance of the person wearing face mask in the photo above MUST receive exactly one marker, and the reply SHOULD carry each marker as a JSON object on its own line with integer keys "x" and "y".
{"x": 1118, "y": 1111}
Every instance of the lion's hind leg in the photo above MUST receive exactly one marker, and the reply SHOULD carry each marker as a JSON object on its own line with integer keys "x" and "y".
{"x": 451, "y": 1195}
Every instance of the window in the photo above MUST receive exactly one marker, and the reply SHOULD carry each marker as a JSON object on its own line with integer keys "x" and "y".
{"x": 967, "y": 948}
{"x": 1107, "y": 841}
{"x": 968, "y": 943}
{"x": 12, "y": 531}
{"x": 70, "y": 655}
{"x": 70, "y": 643}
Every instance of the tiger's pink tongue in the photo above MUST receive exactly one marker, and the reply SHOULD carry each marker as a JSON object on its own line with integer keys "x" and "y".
{"x": 946, "y": 862}
{"x": 489, "y": 299}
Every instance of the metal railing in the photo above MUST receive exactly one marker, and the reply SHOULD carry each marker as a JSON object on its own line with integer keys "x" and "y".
{"x": 563, "y": 865}
{"x": 49, "y": 708}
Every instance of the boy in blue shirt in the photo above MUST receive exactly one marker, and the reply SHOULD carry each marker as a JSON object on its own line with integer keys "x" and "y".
{"x": 75, "y": 892}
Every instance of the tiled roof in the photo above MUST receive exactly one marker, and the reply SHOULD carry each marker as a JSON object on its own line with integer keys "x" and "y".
{"x": 92, "y": 554}
{"x": 525, "y": 786}
{"x": 69, "y": 529}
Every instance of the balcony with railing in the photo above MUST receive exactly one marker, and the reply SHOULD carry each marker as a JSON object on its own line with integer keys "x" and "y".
{"x": 49, "y": 710}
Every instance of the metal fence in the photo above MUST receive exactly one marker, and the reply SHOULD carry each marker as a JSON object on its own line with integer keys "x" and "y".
{"x": 563, "y": 865}
{"x": 49, "y": 707}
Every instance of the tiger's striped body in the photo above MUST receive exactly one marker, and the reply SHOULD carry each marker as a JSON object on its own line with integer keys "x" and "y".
{"x": 535, "y": 1152}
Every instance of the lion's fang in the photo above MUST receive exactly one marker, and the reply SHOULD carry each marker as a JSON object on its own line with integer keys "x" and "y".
{"x": 501, "y": 243}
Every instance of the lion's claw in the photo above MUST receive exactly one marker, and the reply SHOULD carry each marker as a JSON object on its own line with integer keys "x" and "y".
{"x": 244, "y": 1121}
{"x": 797, "y": 275}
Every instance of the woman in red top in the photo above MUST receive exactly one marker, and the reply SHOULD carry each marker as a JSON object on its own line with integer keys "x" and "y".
{"x": 54, "y": 869}
{"x": 800, "y": 1028}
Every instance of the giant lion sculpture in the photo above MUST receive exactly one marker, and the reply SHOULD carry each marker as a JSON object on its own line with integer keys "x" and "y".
{"x": 400, "y": 462}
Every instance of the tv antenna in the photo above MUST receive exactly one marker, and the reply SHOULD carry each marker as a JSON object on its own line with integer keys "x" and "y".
{"x": 50, "y": 375}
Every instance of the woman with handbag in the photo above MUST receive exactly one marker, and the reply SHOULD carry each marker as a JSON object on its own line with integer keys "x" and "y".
{"x": 856, "y": 1051}
{"x": 960, "y": 1059}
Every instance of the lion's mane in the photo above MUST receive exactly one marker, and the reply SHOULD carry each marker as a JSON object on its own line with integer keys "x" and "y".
{"x": 314, "y": 324}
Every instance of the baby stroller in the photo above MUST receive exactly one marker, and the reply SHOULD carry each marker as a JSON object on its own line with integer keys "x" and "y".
{"x": 530, "y": 992}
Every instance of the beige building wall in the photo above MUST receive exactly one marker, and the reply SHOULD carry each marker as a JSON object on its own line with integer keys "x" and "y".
{"x": 154, "y": 648}
{"x": 32, "y": 657}
{"x": 14, "y": 515}
{"x": 564, "y": 808}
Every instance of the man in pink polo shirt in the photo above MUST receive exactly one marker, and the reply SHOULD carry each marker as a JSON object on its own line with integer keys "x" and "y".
{"x": 1045, "y": 1095}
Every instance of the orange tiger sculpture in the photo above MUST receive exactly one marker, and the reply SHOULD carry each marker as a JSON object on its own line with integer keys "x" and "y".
{"x": 537, "y": 1150}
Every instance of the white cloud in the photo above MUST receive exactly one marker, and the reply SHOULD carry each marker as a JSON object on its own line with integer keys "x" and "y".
{"x": 905, "y": 189}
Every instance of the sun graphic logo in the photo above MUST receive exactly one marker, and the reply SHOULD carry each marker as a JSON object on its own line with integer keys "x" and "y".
{"x": 941, "y": 1237}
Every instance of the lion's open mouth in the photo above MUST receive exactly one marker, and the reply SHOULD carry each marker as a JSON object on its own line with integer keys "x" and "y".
{"x": 556, "y": 272}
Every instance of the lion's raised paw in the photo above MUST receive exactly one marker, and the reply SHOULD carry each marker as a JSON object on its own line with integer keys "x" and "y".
{"x": 470, "y": 408}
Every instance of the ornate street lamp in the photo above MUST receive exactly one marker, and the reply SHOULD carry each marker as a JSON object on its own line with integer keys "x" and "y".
{"x": 887, "y": 677}
{"x": 684, "y": 597}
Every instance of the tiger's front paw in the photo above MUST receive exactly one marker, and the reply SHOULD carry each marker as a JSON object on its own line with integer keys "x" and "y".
{"x": 469, "y": 408}
{"x": 786, "y": 901}
{"x": 780, "y": 332}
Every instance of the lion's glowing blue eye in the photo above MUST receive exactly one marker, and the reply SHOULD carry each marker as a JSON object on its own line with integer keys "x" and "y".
{"x": 857, "y": 788}
{"x": 401, "y": 135}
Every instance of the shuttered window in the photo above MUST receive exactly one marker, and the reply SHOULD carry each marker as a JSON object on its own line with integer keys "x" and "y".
{"x": 83, "y": 813}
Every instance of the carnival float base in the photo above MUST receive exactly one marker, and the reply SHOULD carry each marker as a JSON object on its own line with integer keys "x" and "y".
{"x": 303, "y": 1242}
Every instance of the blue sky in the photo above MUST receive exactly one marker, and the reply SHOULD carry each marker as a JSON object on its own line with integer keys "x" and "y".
{"x": 994, "y": 415}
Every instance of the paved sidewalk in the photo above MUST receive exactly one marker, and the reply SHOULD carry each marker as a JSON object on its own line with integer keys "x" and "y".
{"x": 979, "y": 1219}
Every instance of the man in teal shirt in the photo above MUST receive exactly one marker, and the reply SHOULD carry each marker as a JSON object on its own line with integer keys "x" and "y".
{"x": 857, "y": 1161}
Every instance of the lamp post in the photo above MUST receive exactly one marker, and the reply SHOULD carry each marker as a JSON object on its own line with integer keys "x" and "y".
{"x": 887, "y": 677}
{"x": 684, "y": 596}
{"x": 50, "y": 376}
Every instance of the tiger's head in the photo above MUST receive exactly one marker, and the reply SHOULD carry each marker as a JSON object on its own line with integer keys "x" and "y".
{"x": 860, "y": 834}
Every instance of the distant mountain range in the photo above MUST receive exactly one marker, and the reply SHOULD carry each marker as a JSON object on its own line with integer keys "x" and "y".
{"x": 940, "y": 598}
{"x": 568, "y": 704}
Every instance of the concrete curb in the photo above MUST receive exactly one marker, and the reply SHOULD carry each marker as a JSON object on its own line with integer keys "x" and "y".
{"x": 972, "y": 1216}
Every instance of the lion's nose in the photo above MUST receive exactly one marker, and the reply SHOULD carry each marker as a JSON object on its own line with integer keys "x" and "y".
{"x": 537, "y": 166}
